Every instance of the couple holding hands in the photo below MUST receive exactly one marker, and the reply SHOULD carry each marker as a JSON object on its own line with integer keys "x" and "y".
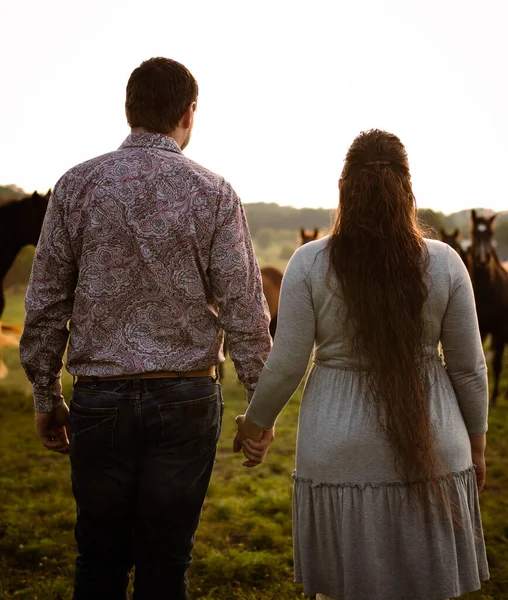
{"x": 148, "y": 255}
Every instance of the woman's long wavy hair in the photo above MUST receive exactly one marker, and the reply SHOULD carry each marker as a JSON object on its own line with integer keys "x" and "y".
{"x": 378, "y": 255}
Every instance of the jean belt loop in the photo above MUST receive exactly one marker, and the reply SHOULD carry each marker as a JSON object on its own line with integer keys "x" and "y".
{"x": 181, "y": 374}
{"x": 135, "y": 382}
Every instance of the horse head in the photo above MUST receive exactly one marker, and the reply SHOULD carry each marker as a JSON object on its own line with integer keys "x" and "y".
{"x": 34, "y": 209}
{"x": 452, "y": 239}
{"x": 308, "y": 236}
{"x": 482, "y": 233}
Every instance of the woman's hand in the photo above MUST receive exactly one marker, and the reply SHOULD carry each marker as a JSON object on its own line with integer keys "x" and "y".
{"x": 481, "y": 470}
{"x": 478, "y": 444}
{"x": 252, "y": 440}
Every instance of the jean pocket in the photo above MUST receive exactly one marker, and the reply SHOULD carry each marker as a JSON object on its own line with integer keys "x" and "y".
{"x": 191, "y": 427}
{"x": 92, "y": 431}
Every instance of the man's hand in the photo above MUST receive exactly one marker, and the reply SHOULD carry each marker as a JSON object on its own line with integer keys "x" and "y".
{"x": 51, "y": 429}
{"x": 253, "y": 441}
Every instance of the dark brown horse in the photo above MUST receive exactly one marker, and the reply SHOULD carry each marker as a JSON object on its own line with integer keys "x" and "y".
{"x": 272, "y": 280}
{"x": 308, "y": 236}
{"x": 452, "y": 239}
{"x": 20, "y": 225}
{"x": 490, "y": 284}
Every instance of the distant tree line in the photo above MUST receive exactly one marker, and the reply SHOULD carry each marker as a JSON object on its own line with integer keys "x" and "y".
{"x": 262, "y": 217}
{"x": 10, "y": 192}
{"x": 272, "y": 224}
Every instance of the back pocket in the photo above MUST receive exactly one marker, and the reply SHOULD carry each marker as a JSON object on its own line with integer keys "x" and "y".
{"x": 92, "y": 432}
{"x": 191, "y": 427}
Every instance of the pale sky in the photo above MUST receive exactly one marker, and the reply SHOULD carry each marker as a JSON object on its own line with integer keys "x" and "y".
{"x": 284, "y": 88}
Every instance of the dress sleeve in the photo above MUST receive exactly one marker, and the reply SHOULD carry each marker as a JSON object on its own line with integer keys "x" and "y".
{"x": 291, "y": 350}
{"x": 48, "y": 307}
{"x": 235, "y": 279}
{"x": 462, "y": 349}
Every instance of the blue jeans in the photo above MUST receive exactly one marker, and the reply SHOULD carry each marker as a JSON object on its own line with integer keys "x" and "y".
{"x": 142, "y": 452}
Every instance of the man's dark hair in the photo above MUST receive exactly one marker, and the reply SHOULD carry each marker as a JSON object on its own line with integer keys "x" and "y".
{"x": 159, "y": 91}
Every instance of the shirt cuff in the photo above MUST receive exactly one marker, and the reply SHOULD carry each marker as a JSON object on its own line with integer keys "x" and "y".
{"x": 48, "y": 398}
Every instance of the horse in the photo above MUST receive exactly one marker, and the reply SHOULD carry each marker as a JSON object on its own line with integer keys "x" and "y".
{"x": 308, "y": 236}
{"x": 272, "y": 280}
{"x": 452, "y": 239}
{"x": 20, "y": 225}
{"x": 490, "y": 284}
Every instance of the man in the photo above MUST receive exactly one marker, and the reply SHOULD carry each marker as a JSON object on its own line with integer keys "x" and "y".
{"x": 149, "y": 256}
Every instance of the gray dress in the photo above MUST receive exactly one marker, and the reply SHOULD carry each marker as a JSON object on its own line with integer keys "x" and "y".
{"x": 355, "y": 536}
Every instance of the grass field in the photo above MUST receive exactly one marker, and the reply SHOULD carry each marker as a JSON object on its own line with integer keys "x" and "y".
{"x": 243, "y": 546}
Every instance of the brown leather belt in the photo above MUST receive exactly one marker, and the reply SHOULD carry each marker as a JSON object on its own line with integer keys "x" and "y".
{"x": 152, "y": 375}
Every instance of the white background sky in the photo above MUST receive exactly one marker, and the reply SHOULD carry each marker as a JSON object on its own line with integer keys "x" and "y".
{"x": 284, "y": 88}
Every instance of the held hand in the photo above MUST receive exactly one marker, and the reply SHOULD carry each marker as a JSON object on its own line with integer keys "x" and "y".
{"x": 255, "y": 452}
{"x": 252, "y": 440}
{"x": 51, "y": 428}
{"x": 481, "y": 470}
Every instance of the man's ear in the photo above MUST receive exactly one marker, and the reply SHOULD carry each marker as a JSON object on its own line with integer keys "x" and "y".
{"x": 186, "y": 120}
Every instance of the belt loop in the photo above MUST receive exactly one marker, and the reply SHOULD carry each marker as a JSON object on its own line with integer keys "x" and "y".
{"x": 181, "y": 374}
{"x": 135, "y": 381}
{"x": 216, "y": 379}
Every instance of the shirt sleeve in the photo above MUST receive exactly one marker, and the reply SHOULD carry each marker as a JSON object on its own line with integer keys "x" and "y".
{"x": 236, "y": 286}
{"x": 293, "y": 344}
{"x": 462, "y": 349}
{"x": 48, "y": 307}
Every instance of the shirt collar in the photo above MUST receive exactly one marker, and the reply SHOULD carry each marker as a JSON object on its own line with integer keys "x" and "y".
{"x": 139, "y": 139}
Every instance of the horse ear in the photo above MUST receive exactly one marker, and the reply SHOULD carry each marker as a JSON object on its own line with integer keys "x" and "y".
{"x": 492, "y": 219}
{"x": 48, "y": 194}
{"x": 302, "y": 232}
{"x": 442, "y": 232}
{"x": 456, "y": 233}
{"x": 473, "y": 214}
{"x": 316, "y": 232}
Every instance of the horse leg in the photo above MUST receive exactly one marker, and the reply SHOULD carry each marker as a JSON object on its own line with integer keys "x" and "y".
{"x": 497, "y": 364}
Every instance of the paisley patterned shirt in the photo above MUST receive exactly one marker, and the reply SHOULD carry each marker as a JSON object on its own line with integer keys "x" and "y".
{"x": 149, "y": 257}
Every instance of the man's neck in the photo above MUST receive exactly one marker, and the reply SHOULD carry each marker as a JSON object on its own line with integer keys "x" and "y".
{"x": 177, "y": 135}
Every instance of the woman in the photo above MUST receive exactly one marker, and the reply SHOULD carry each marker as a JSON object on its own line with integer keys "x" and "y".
{"x": 385, "y": 501}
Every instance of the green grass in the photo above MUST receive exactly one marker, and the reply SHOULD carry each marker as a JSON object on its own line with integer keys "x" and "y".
{"x": 243, "y": 545}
